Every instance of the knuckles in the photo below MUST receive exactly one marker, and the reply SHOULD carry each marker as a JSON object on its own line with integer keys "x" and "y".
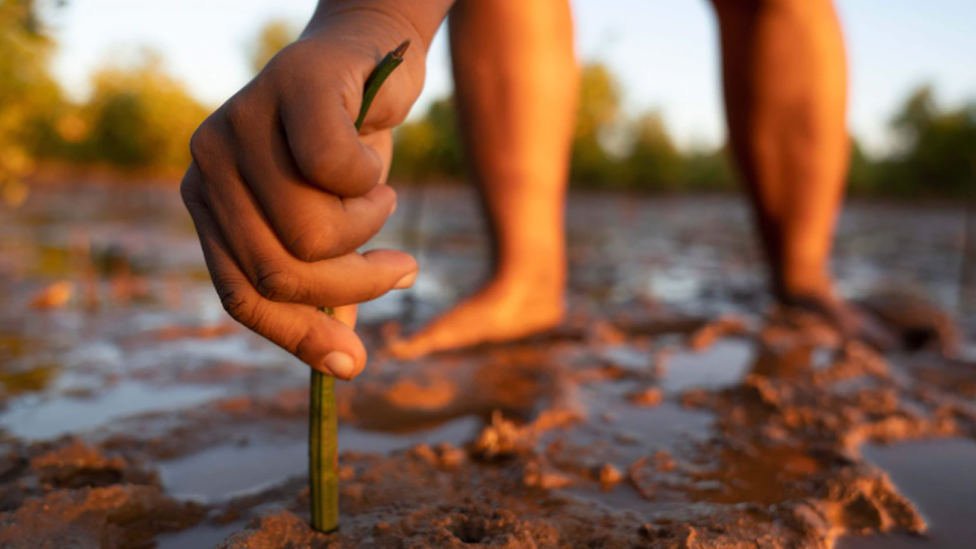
{"x": 275, "y": 282}
{"x": 333, "y": 165}
{"x": 318, "y": 243}
{"x": 237, "y": 115}
{"x": 206, "y": 144}
{"x": 233, "y": 299}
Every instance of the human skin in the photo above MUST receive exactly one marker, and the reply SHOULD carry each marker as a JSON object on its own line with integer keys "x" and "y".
{"x": 515, "y": 77}
{"x": 784, "y": 74}
{"x": 283, "y": 189}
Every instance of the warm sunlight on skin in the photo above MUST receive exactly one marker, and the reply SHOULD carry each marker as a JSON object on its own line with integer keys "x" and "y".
{"x": 785, "y": 87}
{"x": 315, "y": 181}
{"x": 284, "y": 189}
{"x": 516, "y": 85}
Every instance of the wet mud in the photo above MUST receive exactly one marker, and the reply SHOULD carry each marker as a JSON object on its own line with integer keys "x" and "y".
{"x": 668, "y": 411}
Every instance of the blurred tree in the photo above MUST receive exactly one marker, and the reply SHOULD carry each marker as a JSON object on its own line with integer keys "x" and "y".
{"x": 707, "y": 170}
{"x": 140, "y": 117}
{"x": 271, "y": 39}
{"x": 862, "y": 173}
{"x": 653, "y": 162}
{"x": 598, "y": 114}
{"x": 29, "y": 97}
{"x": 428, "y": 147}
{"x": 937, "y": 151}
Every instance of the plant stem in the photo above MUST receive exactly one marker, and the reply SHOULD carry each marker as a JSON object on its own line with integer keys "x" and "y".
{"x": 323, "y": 424}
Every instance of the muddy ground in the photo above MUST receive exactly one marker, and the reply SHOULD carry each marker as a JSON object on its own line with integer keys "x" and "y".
{"x": 674, "y": 408}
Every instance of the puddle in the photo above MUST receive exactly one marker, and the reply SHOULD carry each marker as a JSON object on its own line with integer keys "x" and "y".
{"x": 200, "y": 537}
{"x": 36, "y": 418}
{"x": 141, "y": 294}
{"x": 455, "y": 432}
{"x": 764, "y": 475}
{"x": 940, "y": 478}
{"x": 226, "y": 471}
{"x": 646, "y": 431}
{"x": 722, "y": 364}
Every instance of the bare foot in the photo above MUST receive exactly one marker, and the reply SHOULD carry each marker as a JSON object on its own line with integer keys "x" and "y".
{"x": 499, "y": 312}
{"x": 845, "y": 318}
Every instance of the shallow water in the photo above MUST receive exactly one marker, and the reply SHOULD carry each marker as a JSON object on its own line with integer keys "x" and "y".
{"x": 139, "y": 344}
{"x": 60, "y": 415}
{"x": 199, "y": 537}
{"x": 253, "y": 466}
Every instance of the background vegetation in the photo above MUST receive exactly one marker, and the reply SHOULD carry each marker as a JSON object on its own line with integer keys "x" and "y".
{"x": 934, "y": 156}
{"x": 139, "y": 119}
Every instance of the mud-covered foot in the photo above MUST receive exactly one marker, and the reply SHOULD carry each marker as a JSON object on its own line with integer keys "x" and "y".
{"x": 499, "y": 312}
{"x": 918, "y": 323}
{"x": 844, "y": 317}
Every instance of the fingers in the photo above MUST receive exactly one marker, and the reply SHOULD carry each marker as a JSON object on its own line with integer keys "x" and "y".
{"x": 324, "y": 343}
{"x": 382, "y": 143}
{"x": 311, "y": 223}
{"x": 324, "y": 141}
{"x": 278, "y": 276}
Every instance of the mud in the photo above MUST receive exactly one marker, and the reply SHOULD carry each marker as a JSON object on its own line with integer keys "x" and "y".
{"x": 136, "y": 419}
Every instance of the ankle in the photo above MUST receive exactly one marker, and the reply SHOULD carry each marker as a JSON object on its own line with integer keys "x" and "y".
{"x": 541, "y": 280}
{"x": 804, "y": 287}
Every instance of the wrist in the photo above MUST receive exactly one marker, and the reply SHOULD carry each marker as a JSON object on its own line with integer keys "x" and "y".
{"x": 390, "y": 21}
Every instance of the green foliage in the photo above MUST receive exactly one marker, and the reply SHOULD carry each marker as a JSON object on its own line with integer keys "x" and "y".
{"x": 862, "y": 173}
{"x": 429, "y": 147}
{"x": 707, "y": 170}
{"x": 938, "y": 156}
{"x": 271, "y": 39}
{"x": 597, "y": 115}
{"x": 653, "y": 162}
{"x": 935, "y": 154}
{"x": 139, "y": 117}
{"x": 28, "y": 94}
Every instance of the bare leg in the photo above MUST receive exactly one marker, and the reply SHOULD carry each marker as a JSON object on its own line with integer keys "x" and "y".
{"x": 785, "y": 77}
{"x": 516, "y": 80}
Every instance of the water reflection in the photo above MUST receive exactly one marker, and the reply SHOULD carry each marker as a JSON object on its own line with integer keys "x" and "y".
{"x": 141, "y": 330}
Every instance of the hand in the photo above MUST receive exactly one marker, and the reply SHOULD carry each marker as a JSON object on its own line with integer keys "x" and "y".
{"x": 283, "y": 190}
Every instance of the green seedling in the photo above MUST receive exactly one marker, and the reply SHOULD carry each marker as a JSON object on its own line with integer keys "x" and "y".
{"x": 323, "y": 443}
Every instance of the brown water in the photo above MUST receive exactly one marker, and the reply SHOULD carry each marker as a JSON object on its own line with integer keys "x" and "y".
{"x": 138, "y": 359}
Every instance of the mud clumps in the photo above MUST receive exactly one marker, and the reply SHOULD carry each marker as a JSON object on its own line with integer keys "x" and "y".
{"x": 705, "y": 336}
{"x": 608, "y": 476}
{"x": 651, "y": 396}
{"x": 97, "y": 518}
{"x": 77, "y": 465}
{"x": 590, "y": 447}
{"x": 279, "y": 530}
{"x": 866, "y": 501}
{"x": 501, "y": 439}
{"x": 70, "y": 494}
{"x": 444, "y": 455}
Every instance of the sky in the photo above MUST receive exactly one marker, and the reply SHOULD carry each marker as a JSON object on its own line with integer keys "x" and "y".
{"x": 664, "y": 52}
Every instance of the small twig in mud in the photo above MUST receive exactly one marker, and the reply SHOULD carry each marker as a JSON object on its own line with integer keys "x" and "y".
{"x": 323, "y": 444}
